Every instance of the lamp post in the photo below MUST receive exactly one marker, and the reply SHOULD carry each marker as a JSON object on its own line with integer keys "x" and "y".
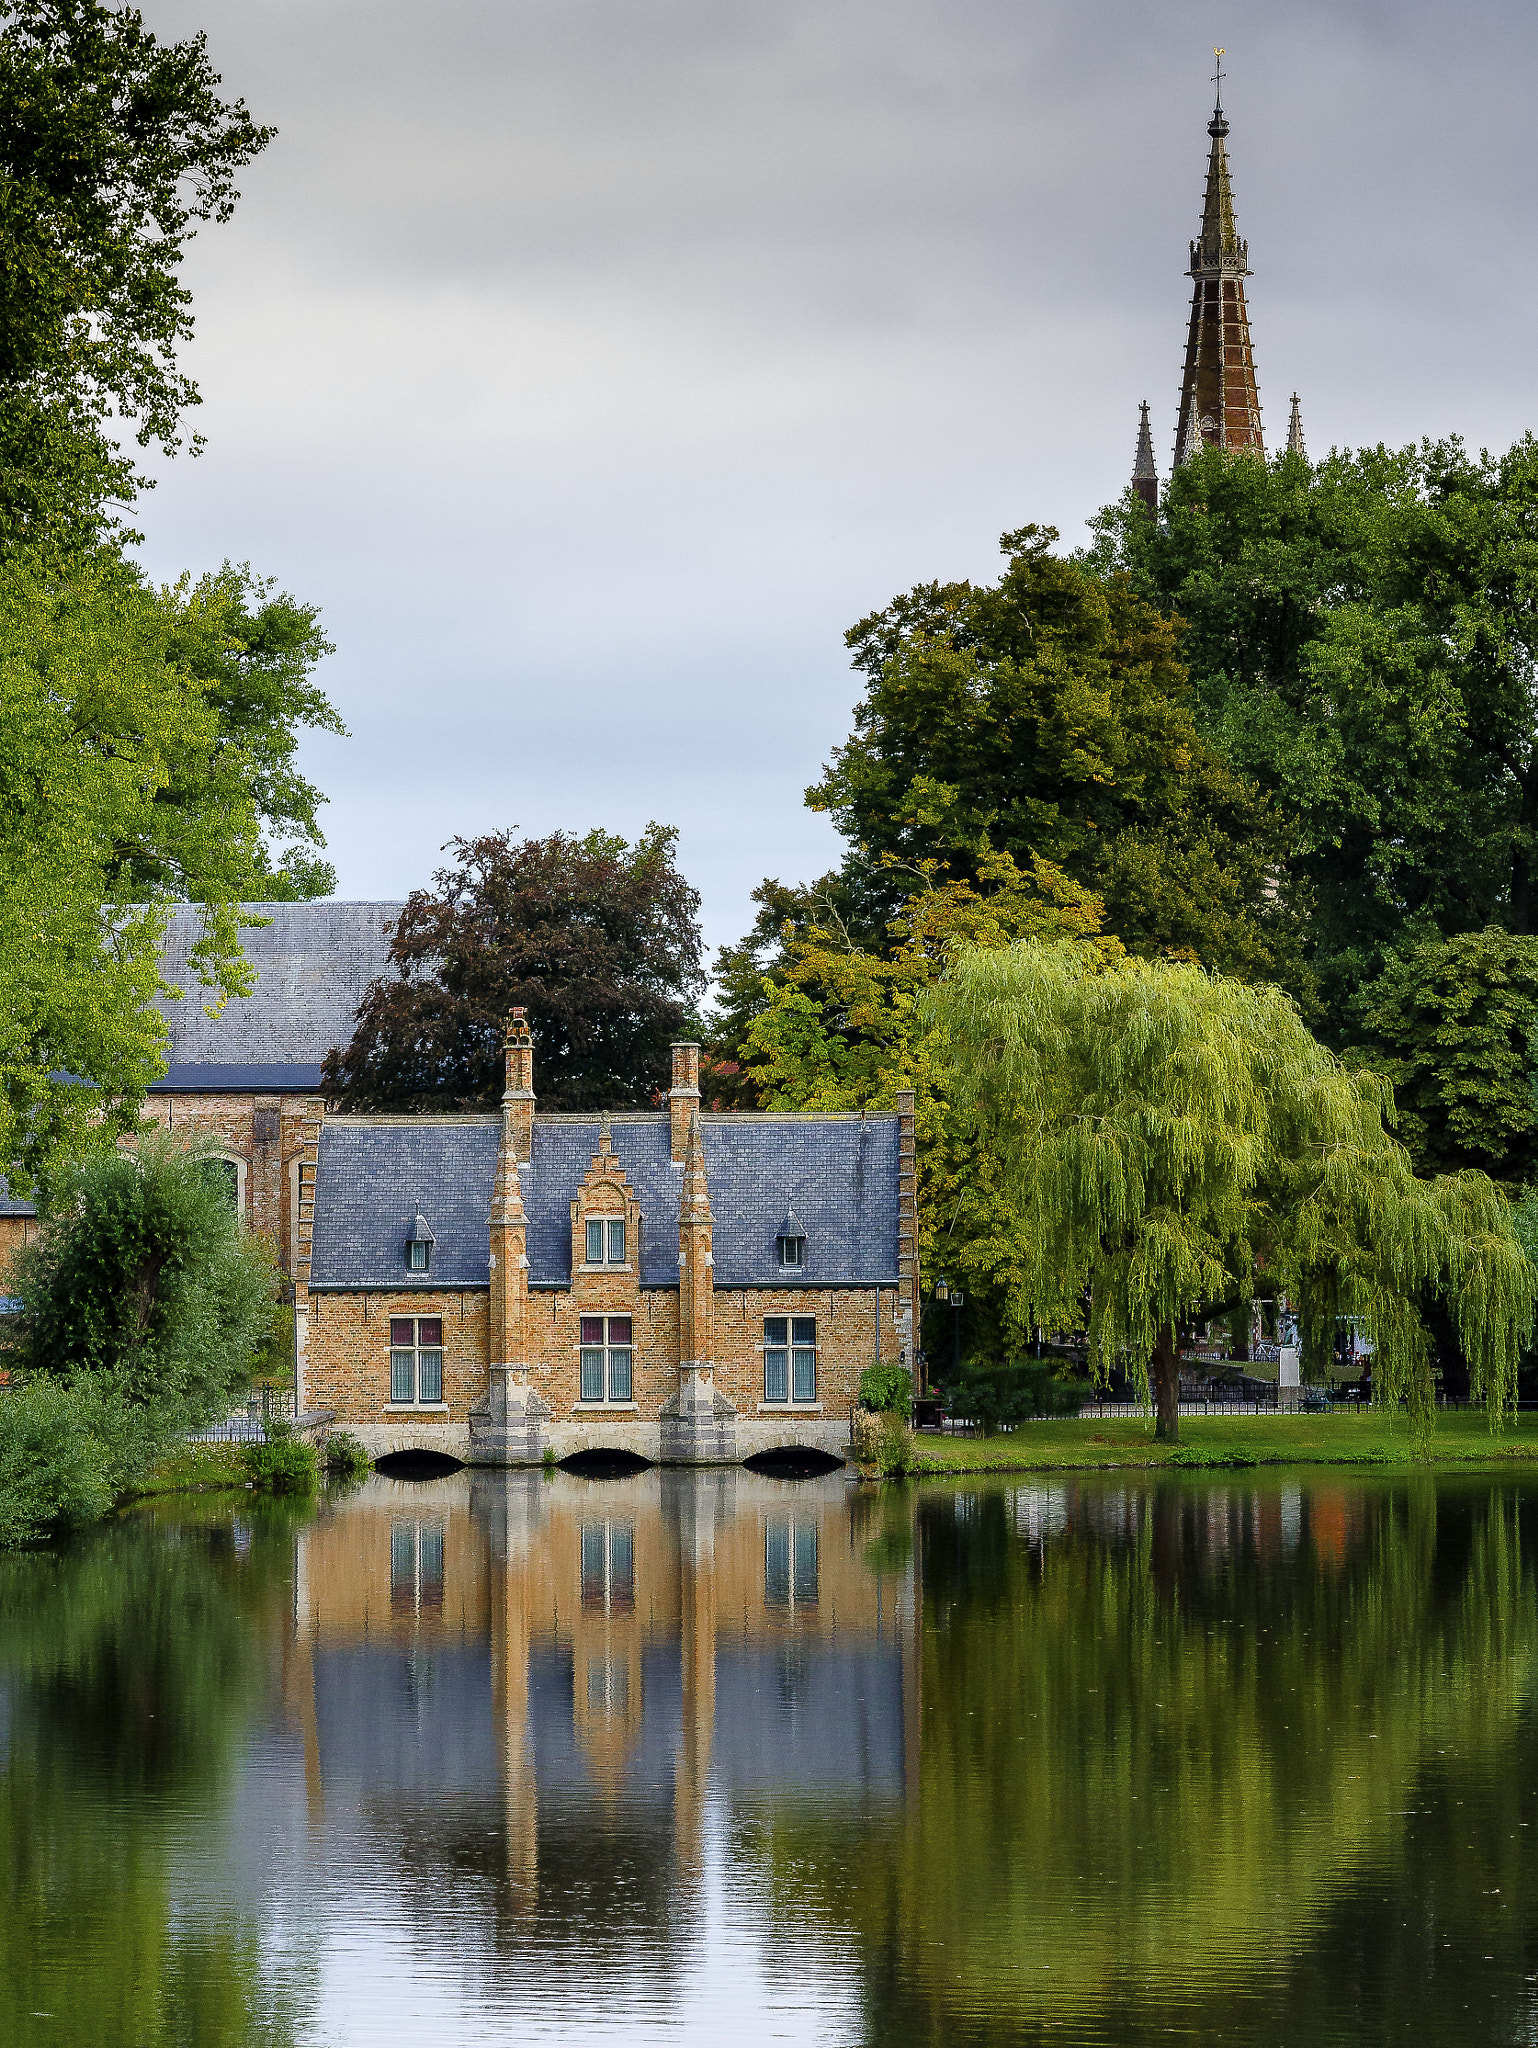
{"x": 945, "y": 1292}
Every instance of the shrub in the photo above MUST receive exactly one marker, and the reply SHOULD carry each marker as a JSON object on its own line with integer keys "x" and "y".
{"x": 345, "y": 1457}
{"x": 55, "y": 1471}
{"x": 142, "y": 1280}
{"x": 895, "y": 1453}
{"x": 994, "y": 1394}
{"x": 886, "y": 1389}
{"x": 285, "y": 1465}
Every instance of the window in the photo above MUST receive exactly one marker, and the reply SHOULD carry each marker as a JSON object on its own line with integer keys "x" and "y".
{"x": 419, "y": 1245}
{"x": 790, "y": 1564}
{"x": 226, "y": 1175}
{"x": 606, "y": 1354}
{"x": 790, "y": 1358}
{"x": 790, "y": 1250}
{"x": 790, "y": 1245}
{"x": 416, "y": 1359}
{"x": 608, "y": 1566}
{"x": 606, "y": 1241}
{"x": 416, "y": 1566}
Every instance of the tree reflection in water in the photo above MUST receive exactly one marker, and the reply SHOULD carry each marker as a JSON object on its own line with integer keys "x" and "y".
{"x": 1253, "y": 1762}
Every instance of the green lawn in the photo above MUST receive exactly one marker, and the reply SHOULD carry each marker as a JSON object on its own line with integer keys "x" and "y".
{"x": 194, "y": 1468}
{"x": 1458, "y": 1438}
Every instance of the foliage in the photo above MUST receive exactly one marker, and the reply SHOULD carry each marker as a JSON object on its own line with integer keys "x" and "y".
{"x": 994, "y": 1394}
{"x": 1158, "y": 1130}
{"x": 896, "y": 1453}
{"x": 113, "y": 147}
{"x": 142, "y": 1286}
{"x": 596, "y": 939}
{"x": 1361, "y": 636}
{"x": 840, "y": 1028}
{"x": 1049, "y": 716}
{"x": 120, "y": 779}
{"x": 53, "y": 1470}
{"x": 281, "y": 1465}
{"x": 345, "y": 1457}
{"x": 886, "y": 1387}
{"x": 1450, "y": 1022}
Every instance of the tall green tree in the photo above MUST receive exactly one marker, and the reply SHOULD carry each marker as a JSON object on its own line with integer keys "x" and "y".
{"x": 145, "y": 754}
{"x": 114, "y": 147}
{"x": 597, "y": 939}
{"x": 1049, "y": 715}
{"x": 1159, "y": 1130}
{"x": 1361, "y": 636}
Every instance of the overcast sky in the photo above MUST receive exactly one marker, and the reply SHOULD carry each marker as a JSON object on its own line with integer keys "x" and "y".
{"x": 594, "y": 365}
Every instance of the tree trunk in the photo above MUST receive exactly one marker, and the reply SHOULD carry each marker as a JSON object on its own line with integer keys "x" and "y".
{"x": 1164, "y": 1377}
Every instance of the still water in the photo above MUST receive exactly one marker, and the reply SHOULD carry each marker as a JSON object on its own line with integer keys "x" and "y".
{"x": 693, "y": 1757}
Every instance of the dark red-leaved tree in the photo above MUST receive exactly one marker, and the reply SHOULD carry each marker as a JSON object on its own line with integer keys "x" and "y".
{"x": 598, "y": 940}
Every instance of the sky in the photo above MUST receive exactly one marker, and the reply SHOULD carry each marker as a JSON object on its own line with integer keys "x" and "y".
{"x": 593, "y": 364}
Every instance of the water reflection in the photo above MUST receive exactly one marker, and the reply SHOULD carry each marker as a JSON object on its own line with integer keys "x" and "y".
{"x": 514, "y": 1756}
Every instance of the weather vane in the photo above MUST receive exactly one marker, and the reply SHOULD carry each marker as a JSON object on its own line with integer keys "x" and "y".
{"x": 1217, "y": 76}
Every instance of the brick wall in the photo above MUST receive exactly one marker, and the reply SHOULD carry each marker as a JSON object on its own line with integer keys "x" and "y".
{"x": 15, "y": 1231}
{"x": 349, "y": 1344}
{"x": 348, "y": 1354}
{"x": 264, "y": 1134}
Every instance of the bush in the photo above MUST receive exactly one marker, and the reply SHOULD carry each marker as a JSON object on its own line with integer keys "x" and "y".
{"x": 886, "y": 1389}
{"x": 992, "y": 1395}
{"x": 284, "y": 1465}
{"x": 345, "y": 1457}
{"x": 142, "y": 1281}
{"x": 895, "y": 1453}
{"x": 55, "y": 1471}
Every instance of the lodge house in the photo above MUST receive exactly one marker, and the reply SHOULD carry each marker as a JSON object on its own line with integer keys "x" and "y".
{"x": 693, "y": 1287}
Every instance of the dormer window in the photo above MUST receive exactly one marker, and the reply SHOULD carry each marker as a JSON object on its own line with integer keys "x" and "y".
{"x": 419, "y": 1246}
{"x": 790, "y": 1245}
{"x": 606, "y": 1240}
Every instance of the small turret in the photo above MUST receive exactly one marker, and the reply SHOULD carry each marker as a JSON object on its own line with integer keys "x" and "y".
{"x": 1295, "y": 431}
{"x": 1145, "y": 478}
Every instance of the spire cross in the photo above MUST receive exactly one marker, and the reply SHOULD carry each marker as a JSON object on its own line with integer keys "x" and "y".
{"x": 1217, "y": 76}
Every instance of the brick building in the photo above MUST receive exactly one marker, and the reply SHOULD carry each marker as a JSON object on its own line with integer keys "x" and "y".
{"x": 250, "y": 1076}
{"x": 693, "y": 1288}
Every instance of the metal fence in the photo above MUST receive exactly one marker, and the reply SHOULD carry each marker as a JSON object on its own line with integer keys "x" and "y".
{"x": 248, "y": 1423}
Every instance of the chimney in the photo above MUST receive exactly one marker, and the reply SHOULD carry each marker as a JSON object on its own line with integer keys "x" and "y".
{"x": 518, "y": 1095}
{"x": 684, "y": 1099}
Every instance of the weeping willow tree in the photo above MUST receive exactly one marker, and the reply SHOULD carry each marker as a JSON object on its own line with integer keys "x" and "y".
{"x": 1164, "y": 1132}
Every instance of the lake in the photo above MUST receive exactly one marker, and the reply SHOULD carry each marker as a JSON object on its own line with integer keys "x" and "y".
{"x": 693, "y": 1756}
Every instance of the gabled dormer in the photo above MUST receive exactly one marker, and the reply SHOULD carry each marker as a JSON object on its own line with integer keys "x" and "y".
{"x": 606, "y": 1215}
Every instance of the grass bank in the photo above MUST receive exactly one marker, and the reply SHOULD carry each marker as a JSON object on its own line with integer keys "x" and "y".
{"x": 194, "y": 1468}
{"x": 1459, "y": 1438}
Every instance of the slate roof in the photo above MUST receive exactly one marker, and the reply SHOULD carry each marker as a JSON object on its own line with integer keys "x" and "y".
{"x": 312, "y": 961}
{"x": 839, "y": 1173}
{"x": 12, "y": 1205}
{"x": 187, "y": 1079}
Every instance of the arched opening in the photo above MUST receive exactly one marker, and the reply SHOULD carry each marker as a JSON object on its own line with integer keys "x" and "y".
{"x": 794, "y": 1461}
{"x": 604, "y": 1464}
{"x": 417, "y": 1465}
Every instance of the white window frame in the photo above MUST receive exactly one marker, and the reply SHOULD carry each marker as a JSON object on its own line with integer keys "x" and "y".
{"x": 606, "y": 1225}
{"x": 791, "y": 1356}
{"x": 415, "y": 1352}
{"x": 604, "y": 1357}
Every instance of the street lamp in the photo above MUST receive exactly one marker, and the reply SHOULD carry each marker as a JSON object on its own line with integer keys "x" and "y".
{"x": 945, "y": 1292}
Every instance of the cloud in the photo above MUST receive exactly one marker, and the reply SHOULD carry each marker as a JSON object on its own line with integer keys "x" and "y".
{"x": 594, "y": 365}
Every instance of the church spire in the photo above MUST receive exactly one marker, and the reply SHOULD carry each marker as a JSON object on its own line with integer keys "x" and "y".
{"x": 1295, "y": 431}
{"x": 1219, "y": 403}
{"x": 1145, "y": 478}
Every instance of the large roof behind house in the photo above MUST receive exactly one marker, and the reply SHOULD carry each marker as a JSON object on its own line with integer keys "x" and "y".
{"x": 839, "y": 1174}
{"x": 312, "y": 963}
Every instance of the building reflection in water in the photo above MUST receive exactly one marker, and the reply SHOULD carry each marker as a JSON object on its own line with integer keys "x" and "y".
{"x": 539, "y": 1686}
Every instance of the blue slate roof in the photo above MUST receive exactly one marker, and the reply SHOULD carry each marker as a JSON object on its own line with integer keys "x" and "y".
{"x": 189, "y": 1078}
{"x": 838, "y": 1173}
